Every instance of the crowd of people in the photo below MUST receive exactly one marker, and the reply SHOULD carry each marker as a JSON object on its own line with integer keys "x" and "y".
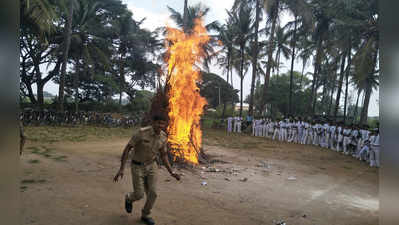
{"x": 358, "y": 141}
{"x": 53, "y": 118}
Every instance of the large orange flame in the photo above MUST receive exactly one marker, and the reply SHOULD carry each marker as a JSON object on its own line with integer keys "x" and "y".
{"x": 185, "y": 102}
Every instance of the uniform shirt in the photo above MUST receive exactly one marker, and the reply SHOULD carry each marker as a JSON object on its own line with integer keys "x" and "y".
{"x": 346, "y": 132}
{"x": 375, "y": 141}
{"x": 339, "y": 130}
{"x": 354, "y": 133}
{"x": 332, "y": 130}
{"x": 326, "y": 128}
{"x": 300, "y": 125}
{"x": 282, "y": 124}
{"x": 147, "y": 144}
{"x": 364, "y": 134}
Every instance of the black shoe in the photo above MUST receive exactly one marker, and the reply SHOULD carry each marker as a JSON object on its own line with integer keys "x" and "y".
{"x": 128, "y": 205}
{"x": 148, "y": 220}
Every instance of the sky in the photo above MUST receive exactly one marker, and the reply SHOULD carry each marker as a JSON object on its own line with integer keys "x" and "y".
{"x": 157, "y": 14}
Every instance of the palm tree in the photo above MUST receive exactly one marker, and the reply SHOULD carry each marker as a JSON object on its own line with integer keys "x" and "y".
{"x": 303, "y": 15}
{"x": 254, "y": 48}
{"x": 282, "y": 47}
{"x": 272, "y": 9}
{"x": 226, "y": 36}
{"x": 85, "y": 42}
{"x": 67, "y": 43}
{"x": 242, "y": 26}
{"x": 40, "y": 14}
{"x": 195, "y": 12}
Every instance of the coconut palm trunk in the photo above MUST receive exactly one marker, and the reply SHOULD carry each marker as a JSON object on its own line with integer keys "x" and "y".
{"x": 269, "y": 59}
{"x": 254, "y": 60}
{"x": 313, "y": 96}
{"x": 67, "y": 44}
{"x": 341, "y": 80}
{"x": 227, "y": 80}
{"x": 347, "y": 82}
{"x": 292, "y": 66}
{"x": 357, "y": 104}
{"x": 241, "y": 75}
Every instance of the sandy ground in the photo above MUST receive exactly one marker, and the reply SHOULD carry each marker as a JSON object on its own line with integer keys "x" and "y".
{"x": 263, "y": 182}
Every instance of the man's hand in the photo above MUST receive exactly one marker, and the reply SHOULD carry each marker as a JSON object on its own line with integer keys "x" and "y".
{"x": 175, "y": 175}
{"x": 119, "y": 174}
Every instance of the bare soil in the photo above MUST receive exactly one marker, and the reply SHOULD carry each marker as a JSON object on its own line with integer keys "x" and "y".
{"x": 253, "y": 181}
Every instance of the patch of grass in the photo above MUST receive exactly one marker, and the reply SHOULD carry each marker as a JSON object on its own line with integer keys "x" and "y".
{"x": 28, "y": 181}
{"x": 33, "y": 161}
{"x": 61, "y": 158}
{"x": 32, "y": 181}
{"x": 35, "y": 150}
{"x": 49, "y": 134}
{"x": 23, "y": 188}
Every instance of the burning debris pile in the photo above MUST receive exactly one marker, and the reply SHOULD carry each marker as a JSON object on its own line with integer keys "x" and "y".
{"x": 181, "y": 98}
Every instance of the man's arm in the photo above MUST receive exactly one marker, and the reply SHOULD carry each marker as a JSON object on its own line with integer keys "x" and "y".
{"x": 165, "y": 160}
{"x": 124, "y": 158}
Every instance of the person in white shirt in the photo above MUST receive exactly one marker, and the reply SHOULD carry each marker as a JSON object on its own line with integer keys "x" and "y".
{"x": 265, "y": 128}
{"x": 375, "y": 150}
{"x": 355, "y": 136}
{"x": 365, "y": 149}
{"x": 300, "y": 125}
{"x": 305, "y": 135}
{"x": 283, "y": 130}
{"x": 229, "y": 124}
{"x": 288, "y": 125}
{"x": 346, "y": 133}
{"x": 326, "y": 136}
{"x": 316, "y": 133}
{"x": 332, "y": 136}
{"x": 340, "y": 137}
{"x": 294, "y": 132}
{"x": 271, "y": 129}
{"x": 364, "y": 135}
{"x": 253, "y": 126}
{"x": 276, "y": 127}
{"x": 235, "y": 125}
{"x": 239, "y": 121}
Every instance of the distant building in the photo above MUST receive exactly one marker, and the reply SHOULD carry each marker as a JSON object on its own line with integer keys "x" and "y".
{"x": 245, "y": 106}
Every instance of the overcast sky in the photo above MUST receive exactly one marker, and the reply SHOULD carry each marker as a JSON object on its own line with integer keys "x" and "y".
{"x": 157, "y": 14}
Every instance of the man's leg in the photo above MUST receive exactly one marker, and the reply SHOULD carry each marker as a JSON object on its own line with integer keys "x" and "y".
{"x": 150, "y": 184}
{"x": 138, "y": 187}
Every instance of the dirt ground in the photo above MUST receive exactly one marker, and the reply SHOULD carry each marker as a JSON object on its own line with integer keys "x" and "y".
{"x": 253, "y": 180}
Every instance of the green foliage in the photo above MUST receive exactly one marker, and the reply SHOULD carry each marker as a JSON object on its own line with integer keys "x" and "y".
{"x": 210, "y": 86}
{"x": 141, "y": 101}
{"x": 278, "y": 95}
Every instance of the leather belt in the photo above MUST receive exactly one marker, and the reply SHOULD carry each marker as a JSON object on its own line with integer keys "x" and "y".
{"x": 142, "y": 163}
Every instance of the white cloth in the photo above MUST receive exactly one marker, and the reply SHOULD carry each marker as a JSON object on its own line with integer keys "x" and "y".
{"x": 229, "y": 124}
{"x": 375, "y": 151}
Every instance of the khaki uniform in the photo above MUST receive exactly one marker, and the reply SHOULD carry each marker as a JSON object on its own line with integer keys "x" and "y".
{"x": 147, "y": 146}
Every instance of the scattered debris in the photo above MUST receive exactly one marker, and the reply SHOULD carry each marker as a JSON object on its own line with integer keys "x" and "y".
{"x": 226, "y": 178}
{"x": 212, "y": 169}
{"x": 263, "y": 164}
{"x": 291, "y": 178}
{"x": 167, "y": 180}
{"x": 244, "y": 179}
{"x": 204, "y": 183}
{"x": 304, "y": 216}
{"x": 280, "y": 223}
